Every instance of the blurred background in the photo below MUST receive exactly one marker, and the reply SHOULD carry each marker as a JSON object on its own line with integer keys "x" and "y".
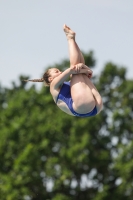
{"x": 46, "y": 154}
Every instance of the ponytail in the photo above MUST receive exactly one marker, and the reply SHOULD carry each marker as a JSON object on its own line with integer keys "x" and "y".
{"x": 35, "y": 80}
{"x": 45, "y": 78}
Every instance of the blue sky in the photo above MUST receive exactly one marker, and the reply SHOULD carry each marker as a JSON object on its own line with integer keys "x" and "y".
{"x": 31, "y": 36}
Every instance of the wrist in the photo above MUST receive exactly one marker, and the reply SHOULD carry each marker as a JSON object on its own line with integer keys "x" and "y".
{"x": 70, "y": 71}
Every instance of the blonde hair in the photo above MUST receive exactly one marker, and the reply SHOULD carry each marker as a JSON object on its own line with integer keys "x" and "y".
{"x": 45, "y": 78}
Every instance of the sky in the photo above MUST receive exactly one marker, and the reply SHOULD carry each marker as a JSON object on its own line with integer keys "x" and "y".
{"x": 32, "y": 38}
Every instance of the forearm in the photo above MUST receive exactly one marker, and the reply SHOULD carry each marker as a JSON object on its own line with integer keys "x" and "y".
{"x": 83, "y": 71}
{"x": 83, "y": 66}
{"x": 86, "y": 70}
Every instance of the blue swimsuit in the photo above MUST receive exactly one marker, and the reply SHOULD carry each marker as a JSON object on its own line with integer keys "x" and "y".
{"x": 65, "y": 95}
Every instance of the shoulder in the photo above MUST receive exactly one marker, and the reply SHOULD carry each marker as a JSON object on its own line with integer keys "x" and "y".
{"x": 54, "y": 88}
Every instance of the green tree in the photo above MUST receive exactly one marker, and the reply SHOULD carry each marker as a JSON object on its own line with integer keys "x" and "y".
{"x": 118, "y": 96}
{"x": 47, "y": 154}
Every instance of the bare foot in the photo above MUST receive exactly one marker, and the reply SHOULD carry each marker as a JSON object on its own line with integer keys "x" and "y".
{"x": 69, "y": 33}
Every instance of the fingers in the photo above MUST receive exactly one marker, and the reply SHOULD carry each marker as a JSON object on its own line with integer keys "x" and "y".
{"x": 86, "y": 67}
{"x": 78, "y": 67}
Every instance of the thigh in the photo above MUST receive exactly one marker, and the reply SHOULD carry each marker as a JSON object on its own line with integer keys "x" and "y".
{"x": 81, "y": 93}
{"x": 97, "y": 96}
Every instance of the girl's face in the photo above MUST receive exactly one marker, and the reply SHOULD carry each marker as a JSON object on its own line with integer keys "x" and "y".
{"x": 54, "y": 73}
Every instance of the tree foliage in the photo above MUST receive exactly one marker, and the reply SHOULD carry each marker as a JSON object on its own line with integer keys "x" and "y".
{"x": 47, "y": 154}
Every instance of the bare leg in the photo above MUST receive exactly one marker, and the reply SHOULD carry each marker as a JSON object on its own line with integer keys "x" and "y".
{"x": 84, "y": 94}
{"x": 81, "y": 55}
{"x": 97, "y": 96}
{"x": 74, "y": 51}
